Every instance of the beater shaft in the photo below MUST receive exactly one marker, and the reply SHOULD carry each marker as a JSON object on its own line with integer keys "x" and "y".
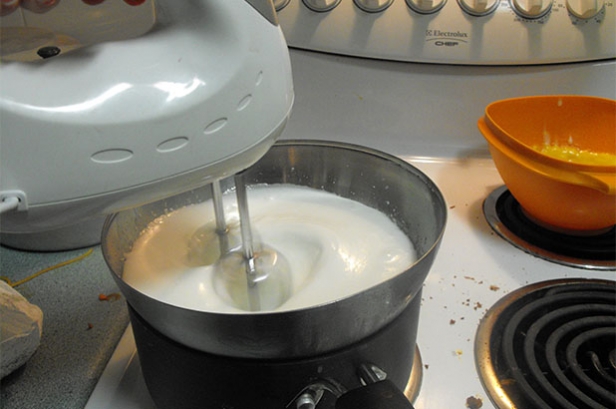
{"x": 246, "y": 233}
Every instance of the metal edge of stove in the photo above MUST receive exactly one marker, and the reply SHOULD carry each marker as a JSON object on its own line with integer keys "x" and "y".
{"x": 483, "y": 362}
{"x": 413, "y": 386}
{"x": 489, "y": 210}
{"x": 109, "y": 383}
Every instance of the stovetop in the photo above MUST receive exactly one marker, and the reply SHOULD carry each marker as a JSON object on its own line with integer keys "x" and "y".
{"x": 426, "y": 114}
{"x": 474, "y": 268}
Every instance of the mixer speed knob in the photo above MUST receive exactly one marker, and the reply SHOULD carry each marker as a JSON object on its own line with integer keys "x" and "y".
{"x": 426, "y": 6}
{"x": 373, "y": 6}
{"x": 532, "y": 9}
{"x": 585, "y": 9}
{"x": 478, "y": 7}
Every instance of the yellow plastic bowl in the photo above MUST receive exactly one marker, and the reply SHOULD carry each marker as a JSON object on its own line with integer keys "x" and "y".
{"x": 563, "y": 195}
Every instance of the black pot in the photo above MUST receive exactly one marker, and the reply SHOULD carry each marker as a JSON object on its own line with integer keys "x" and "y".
{"x": 179, "y": 377}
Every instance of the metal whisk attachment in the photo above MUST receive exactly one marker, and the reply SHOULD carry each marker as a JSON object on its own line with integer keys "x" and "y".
{"x": 255, "y": 280}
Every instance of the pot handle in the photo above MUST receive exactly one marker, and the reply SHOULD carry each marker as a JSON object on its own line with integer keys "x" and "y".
{"x": 377, "y": 394}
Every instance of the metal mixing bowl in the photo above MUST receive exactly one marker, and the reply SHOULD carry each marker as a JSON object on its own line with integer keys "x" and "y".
{"x": 376, "y": 179}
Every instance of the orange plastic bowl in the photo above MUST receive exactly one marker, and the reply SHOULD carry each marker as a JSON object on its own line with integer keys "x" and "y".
{"x": 563, "y": 195}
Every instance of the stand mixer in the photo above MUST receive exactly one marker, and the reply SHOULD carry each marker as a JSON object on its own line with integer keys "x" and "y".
{"x": 202, "y": 95}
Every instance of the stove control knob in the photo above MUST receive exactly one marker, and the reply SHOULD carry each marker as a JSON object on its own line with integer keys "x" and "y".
{"x": 280, "y": 4}
{"x": 478, "y": 7}
{"x": 321, "y": 5}
{"x": 373, "y": 6}
{"x": 426, "y": 6}
{"x": 585, "y": 9}
{"x": 532, "y": 9}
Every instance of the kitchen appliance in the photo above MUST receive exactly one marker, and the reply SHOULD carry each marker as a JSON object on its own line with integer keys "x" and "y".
{"x": 426, "y": 114}
{"x": 203, "y": 94}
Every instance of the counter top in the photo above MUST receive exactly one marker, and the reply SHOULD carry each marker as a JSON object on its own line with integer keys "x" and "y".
{"x": 80, "y": 330}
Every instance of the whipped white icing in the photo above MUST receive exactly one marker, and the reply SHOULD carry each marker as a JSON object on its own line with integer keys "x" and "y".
{"x": 335, "y": 247}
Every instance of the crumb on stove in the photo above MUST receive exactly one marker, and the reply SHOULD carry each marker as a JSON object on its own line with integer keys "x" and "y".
{"x": 473, "y": 402}
{"x": 452, "y": 321}
{"x": 109, "y": 297}
{"x": 477, "y": 306}
{"x": 458, "y": 352}
{"x": 90, "y": 326}
{"x": 494, "y": 288}
{"x": 426, "y": 366}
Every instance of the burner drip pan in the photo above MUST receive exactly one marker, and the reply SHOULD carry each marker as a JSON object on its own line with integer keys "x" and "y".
{"x": 551, "y": 345}
{"x": 508, "y": 219}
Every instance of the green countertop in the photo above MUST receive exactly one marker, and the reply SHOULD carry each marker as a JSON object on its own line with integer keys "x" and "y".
{"x": 80, "y": 331}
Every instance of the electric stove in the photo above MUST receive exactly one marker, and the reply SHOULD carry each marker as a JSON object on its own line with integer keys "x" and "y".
{"x": 413, "y": 84}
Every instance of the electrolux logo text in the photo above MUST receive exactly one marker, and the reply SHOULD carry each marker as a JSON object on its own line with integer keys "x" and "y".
{"x": 446, "y": 38}
{"x": 448, "y": 34}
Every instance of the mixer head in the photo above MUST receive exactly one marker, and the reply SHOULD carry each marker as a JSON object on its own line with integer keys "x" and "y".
{"x": 201, "y": 95}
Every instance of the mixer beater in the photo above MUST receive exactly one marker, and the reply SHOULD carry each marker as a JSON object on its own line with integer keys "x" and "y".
{"x": 267, "y": 283}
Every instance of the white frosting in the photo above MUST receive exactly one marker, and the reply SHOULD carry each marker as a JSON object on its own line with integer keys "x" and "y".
{"x": 335, "y": 247}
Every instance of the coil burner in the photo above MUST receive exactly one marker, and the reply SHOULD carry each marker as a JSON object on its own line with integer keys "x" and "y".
{"x": 508, "y": 220}
{"x": 551, "y": 345}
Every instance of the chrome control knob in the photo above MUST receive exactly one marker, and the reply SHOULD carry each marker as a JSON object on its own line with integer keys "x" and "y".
{"x": 478, "y": 7}
{"x": 585, "y": 9}
{"x": 426, "y": 6}
{"x": 321, "y": 5}
{"x": 280, "y": 4}
{"x": 532, "y": 9}
{"x": 373, "y": 6}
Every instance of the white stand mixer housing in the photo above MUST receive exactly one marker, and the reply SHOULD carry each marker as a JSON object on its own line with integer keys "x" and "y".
{"x": 202, "y": 96}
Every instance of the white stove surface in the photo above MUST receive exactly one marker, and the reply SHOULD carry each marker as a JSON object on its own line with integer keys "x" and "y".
{"x": 473, "y": 269}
